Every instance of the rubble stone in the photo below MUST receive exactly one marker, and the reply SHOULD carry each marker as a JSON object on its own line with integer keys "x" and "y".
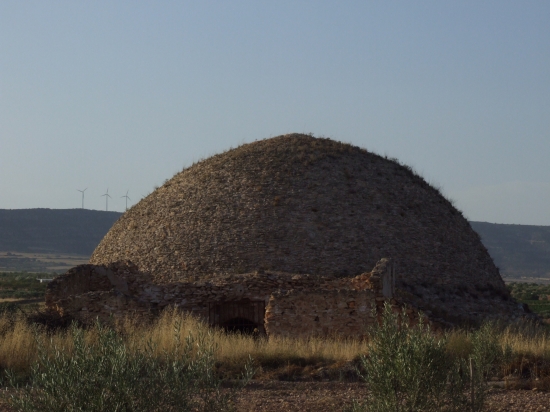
{"x": 295, "y": 305}
{"x": 295, "y": 205}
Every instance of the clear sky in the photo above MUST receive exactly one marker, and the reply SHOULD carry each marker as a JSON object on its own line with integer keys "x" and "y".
{"x": 123, "y": 94}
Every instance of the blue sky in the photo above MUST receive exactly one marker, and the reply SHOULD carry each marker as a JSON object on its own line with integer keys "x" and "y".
{"x": 123, "y": 94}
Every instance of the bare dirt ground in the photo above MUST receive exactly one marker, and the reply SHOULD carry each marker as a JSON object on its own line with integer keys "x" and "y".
{"x": 298, "y": 396}
{"x": 262, "y": 396}
{"x": 278, "y": 396}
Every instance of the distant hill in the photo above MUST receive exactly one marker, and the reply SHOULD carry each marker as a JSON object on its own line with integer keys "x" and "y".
{"x": 75, "y": 231}
{"x": 518, "y": 250}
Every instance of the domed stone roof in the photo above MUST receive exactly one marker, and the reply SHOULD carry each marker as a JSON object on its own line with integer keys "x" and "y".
{"x": 299, "y": 204}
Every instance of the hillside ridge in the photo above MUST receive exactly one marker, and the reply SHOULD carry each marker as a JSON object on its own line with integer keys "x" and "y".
{"x": 518, "y": 250}
{"x": 76, "y": 231}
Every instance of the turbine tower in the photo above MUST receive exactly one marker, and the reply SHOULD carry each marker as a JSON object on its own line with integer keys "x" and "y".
{"x": 82, "y": 191}
{"x": 127, "y": 198}
{"x": 107, "y": 196}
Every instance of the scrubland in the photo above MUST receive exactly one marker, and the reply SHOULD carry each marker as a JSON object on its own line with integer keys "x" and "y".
{"x": 202, "y": 363}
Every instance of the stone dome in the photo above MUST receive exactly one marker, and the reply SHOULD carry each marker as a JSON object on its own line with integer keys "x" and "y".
{"x": 299, "y": 204}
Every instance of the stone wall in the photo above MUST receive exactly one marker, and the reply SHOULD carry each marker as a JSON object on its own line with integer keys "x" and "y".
{"x": 336, "y": 313}
{"x": 295, "y": 304}
{"x": 292, "y": 302}
{"x": 346, "y": 310}
{"x": 87, "y": 292}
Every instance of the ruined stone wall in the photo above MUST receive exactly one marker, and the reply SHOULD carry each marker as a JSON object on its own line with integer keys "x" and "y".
{"x": 105, "y": 306}
{"x": 78, "y": 280}
{"x": 120, "y": 289}
{"x": 341, "y": 308}
{"x": 88, "y": 292}
{"x": 336, "y": 313}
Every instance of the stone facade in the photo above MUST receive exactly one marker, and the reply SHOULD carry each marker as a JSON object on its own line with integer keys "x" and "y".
{"x": 289, "y": 304}
{"x": 320, "y": 313}
{"x": 344, "y": 308}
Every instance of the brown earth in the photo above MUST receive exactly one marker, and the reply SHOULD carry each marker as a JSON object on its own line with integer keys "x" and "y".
{"x": 273, "y": 396}
{"x": 270, "y": 396}
{"x": 334, "y": 396}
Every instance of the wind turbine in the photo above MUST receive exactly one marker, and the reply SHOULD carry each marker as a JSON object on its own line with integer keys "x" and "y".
{"x": 127, "y": 198}
{"x": 82, "y": 191}
{"x": 107, "y": 196}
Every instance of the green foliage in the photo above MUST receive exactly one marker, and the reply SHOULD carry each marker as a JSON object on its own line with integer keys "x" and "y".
{"x": 8, "y": 308}
{"x": 408, "y": 368}
{"x": 405, "y": 367}
{"x": 468, "y": 386}
{"x": 106, "y": 376}
{"x": 22, "y": 285}
{"x": 534, "y": 295}
{"x": 517, "y": 289}
{"x": 487, "y": 351}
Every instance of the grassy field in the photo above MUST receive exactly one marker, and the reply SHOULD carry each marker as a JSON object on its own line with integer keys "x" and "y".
{"x": 63, "y": 355}
{"x": 24, "y": 342}
{"x": 18, "y": 285}
{"x": 537, "y": 296}
{"x": 216, "y": 356}
{"x": 275, "y": 358}
{"x": 22, "y": 295}
{"x": 21, "y": 291}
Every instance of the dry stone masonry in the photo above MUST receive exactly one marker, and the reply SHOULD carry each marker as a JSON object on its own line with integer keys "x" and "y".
{"x": 275, "y": 303}
{"x": 294, "y": 222}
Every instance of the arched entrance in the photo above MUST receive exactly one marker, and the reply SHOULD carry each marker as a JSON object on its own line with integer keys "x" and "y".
{"x": 242, "y": 316}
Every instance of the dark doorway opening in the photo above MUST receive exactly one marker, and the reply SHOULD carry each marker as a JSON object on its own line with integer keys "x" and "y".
{"x": 241, "y": 325}
{"x": 244, "y": 316}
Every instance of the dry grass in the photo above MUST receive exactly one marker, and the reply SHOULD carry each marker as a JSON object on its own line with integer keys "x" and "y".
{"x": 285, "y": 356}
{"x": 19, "y": 340}
{"x": 233, "y": 350}
{"x": 529, "y": 364}
{"x": 528, "y": 340}
{"x": 536, "y": 344}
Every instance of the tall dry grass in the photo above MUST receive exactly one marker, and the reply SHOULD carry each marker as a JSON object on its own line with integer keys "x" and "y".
{"x": 528, "y": 345}
{"x": 18, "y": 344}
{"x": 534, "y": 343}
{"x": 235, "y": 349}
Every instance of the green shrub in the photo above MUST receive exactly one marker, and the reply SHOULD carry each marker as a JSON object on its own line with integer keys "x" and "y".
{"x": 408, "y": 368}
{"x": 106, "y": 376}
